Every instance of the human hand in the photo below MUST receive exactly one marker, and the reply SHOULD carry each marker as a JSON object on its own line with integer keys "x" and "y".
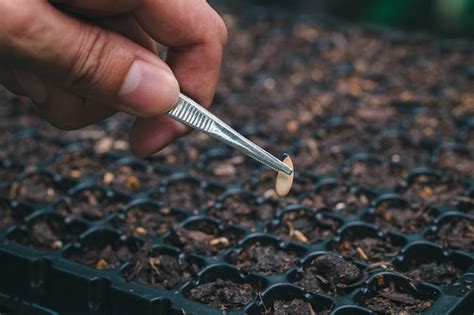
{"x": 83, "y": 60}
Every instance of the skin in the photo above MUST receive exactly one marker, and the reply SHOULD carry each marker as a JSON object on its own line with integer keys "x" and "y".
{"x": 81, "y": 61}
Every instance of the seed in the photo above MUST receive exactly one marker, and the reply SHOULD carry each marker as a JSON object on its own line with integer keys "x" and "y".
{"x": 141, "y": 231}
{"x": 57, "y": 244}
{"x": 284, "y": 182}
{"x": 298, "y": 235}
{"x": 108, "y": 178}
{"x": 132, "y": 182}
{"x": 75, "y": 174}
{"x": 292, "y": 126}
{"x": 102, "y": 264}
{"x": 219, "y": 240}
{"x": 362, "y": 254}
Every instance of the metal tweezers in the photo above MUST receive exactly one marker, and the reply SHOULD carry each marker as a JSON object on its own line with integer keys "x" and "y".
{"x": 197, "y": 117}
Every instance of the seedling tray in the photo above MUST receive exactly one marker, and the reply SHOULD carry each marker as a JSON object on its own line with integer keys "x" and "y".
{"x": 380, "y": 218}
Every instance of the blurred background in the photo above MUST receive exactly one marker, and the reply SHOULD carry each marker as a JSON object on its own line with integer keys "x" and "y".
{"x": 447, "y": 18}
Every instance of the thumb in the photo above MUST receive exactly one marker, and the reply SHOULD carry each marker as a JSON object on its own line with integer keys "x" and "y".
{"x": 86, "y": 60}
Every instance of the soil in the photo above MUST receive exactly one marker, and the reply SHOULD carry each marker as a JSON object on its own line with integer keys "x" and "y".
{"x": 429, "y": 190}
{"x": 78, "y": 163}
{"x": 293, "y": 307}
{"x": 89, "y": 204}
{"x": 28, "y": 150}
{"x": 390, "y": 300}
{"x": 243, "y": 210}
{"x": 456, "y": 163}
{"x": 103, "y": 257}
{"x": 435, "y": 272}
{"x": 305, "y": 227}
{"x": 175, "y": 155}
{"x": 368, "y": 249}
{"x": 36, "y": 188}
{"x": 316, "y": 158}
{"x": 228, "y": 170}
{"x": 397, "y": 150}
{"x": 393, "y": 216}
{"x": 455, "y": 233}
{"x": 361, "y": 173}
{"x": 203, "y": 238}
{"x": 339, "y": 198}
{"x": 9, "y": 173}
{"x": 224, "y": 295}
{"x": 188, "y": 194}
{"x": 160, "y": 270}
{"x": 50, "y": 233}
{"x": 330, "y": 274}
{"x": 131, "y": 179}
{"x": 10, "y": 216}
{"x": 264, "y": 259}
{"x": 264, "y": 185}
{"x": 148, "y": 220}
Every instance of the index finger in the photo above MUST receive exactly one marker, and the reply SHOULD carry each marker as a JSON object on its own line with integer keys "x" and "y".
{"x": 196, "y": 36}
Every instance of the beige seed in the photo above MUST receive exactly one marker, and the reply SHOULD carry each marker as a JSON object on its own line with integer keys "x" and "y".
{"x": 102, "y": 264}
{"x": 362, "y": 254}
{"x": 141, "y": 231}
{"x": 284, "y": 181}
{"x": 299, "y": 236}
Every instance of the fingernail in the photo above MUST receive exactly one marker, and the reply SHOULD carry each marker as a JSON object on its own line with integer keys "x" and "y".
{"x": 32, "y": 86}
{"x": 148, "y": 90}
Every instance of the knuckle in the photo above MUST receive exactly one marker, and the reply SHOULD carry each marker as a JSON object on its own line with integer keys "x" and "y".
{"x": 89, "y": 60}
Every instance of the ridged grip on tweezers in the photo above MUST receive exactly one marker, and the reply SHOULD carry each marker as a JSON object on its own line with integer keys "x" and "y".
{"x": 195, "y": 116}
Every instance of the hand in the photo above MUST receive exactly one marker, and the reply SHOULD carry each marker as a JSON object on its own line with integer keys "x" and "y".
{"x": 83, "y": 60}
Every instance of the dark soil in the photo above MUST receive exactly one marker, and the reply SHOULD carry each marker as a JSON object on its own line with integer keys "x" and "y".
{"x": 50, "y": 233}
{"x": 429, "y": 190}
{"x": 228, "y": 170}
{"x": 374, "y": 175}
{"x": 340, "y": 199}
{"x": 264, "y": 259}
{"x": 264, "y": 185}
{"x": 130, "y": 179}
{"x": 369, "y": 249}
{"x": 203, "y": 239}
{"x": 29, "y": 150}
{"x": 397, "y": 150}
{"x": 455, "y": 233}
{"x": 9, "y": 173}
{"x": 224, "y": 295}
{"x": 10, "y": 216}
{"x": 77, "y": 164}
{"x": 316, "y": 158}
{"x": 389, "y": 300}
{"x": 90, "y": 204}
{"x": 106, "y": 257}
{"x": 293, "y": 307}
{"x": 456, "y": 163}
{"x": 160, "y": 270}
{"x": 148, "y": 220}
{"x": 247, "y": 211}
{"x": 330, "y": 274}
{"x": 435, "y": 272}
{"x": 36, "y": 188}
{"x": 392, "y": 216}
{"x": 305, "y": 227}
{"x": 175, "y": 155}
{"x": 188, "y": 194}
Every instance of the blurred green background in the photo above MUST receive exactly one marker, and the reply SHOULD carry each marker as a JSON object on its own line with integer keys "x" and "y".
{"x": 448, "y": 18}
